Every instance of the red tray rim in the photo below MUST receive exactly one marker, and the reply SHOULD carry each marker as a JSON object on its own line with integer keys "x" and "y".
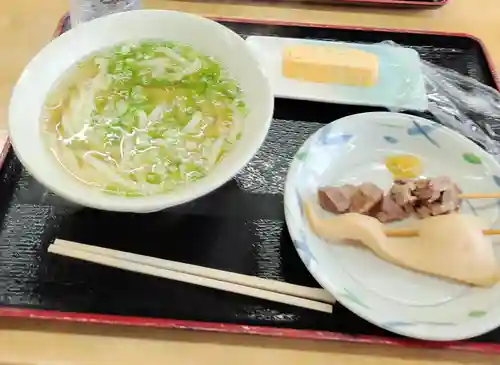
{"x": 414, "y": 3}
{"x": 250, "y": 329}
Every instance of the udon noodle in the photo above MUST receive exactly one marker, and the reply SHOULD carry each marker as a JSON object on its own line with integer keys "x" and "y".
{"x": 142, "y": 119}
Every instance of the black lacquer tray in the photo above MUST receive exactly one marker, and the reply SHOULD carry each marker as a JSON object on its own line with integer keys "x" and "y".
{"x": 240, "y": 227}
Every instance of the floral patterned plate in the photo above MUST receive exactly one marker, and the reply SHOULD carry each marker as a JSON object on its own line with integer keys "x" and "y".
{"x": 354, "y": 150}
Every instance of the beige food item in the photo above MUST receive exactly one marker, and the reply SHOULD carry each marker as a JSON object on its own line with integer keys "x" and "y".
{"x": 450, "y": 246}
{"x": 330, "y": 64}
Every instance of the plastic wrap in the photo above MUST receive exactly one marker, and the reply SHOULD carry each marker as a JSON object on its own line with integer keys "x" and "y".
{"x": 463, "y": 104}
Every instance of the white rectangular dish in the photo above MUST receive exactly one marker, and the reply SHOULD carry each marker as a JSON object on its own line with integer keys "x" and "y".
{"x": 400, "y": 85}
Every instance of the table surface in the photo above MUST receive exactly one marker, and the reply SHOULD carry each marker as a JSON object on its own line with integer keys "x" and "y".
{"x": 26, "y": 25}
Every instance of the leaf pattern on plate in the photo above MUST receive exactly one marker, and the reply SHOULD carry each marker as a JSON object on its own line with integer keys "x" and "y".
{"x": 397, "y": 324}
{"x": 299, "y": 202}
{"x": 304, "y": 252}
{"x": 307, "y": 258}
{"x": 496, "y": 178}
{"x": 424, "y": 323}
{"x": 390, "y": 139}
{"x": 472, "y": 158}
{"x": 423, "y": 130}
{"x": 391, "y": 125}
{"x": 332, "y": 139}
{"x": 301, "y": 155}
{"x": 477, "y": 314}
{"x": 349, "y": 296}
{"x": 469, "y": 204}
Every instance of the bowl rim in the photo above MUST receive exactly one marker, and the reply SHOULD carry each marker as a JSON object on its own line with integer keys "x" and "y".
{"x": 102, "y": 200}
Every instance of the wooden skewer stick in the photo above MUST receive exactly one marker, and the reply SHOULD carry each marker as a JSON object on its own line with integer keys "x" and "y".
{"x": 480, "y": 196}
{"x": 413, "y": 232}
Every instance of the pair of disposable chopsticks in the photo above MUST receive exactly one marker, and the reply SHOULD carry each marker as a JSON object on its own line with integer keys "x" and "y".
{"x": 413, "y": 232}
{"x": 276, "y": 291}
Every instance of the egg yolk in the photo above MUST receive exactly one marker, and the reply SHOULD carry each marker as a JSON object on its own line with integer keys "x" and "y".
{"x": 404, "y": 166}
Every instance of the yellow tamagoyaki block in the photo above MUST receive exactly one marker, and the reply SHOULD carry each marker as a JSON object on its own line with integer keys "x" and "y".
{"x": 330, "y": 64}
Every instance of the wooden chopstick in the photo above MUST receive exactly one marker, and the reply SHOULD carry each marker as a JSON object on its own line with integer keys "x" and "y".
{"x": 247, "y": 280}
{"x": 480, "y": 196}
{"x": 160, "y": 268}
{"x": 413, "y": 232}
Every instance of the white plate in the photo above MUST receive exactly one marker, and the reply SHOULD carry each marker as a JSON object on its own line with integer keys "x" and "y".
{"x": 400, "y": 86}
{"x": 352, "y": 150}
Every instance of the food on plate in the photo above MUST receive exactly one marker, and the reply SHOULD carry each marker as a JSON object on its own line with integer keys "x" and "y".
{"x": 365, "y": 198}
{"x": 338, "y": 64}
{"x": 451, "y": 246}
{"x": 404, "y": 166}
{"x": 350, "y": 198}
{"x": 427, "y": 197}
{"x": 336, "y": 199}
{"x": 422, "y": 197}
{"x": 144, "y": 118}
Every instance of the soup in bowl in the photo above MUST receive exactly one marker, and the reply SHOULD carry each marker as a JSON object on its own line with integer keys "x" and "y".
{"x": 140, "y": 111}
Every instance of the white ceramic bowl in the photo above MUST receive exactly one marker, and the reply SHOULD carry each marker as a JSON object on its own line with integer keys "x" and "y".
{"x": 206, "y": 36}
